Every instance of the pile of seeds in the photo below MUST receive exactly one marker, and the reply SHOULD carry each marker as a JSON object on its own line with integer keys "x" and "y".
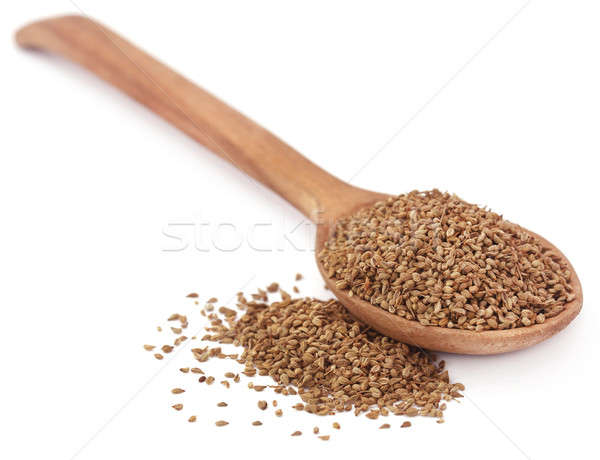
{"x": 317, "y": 350}
{"x": 433, "y": 258}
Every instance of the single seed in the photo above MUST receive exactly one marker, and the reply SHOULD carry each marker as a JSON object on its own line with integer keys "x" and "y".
{"x": 177, "y": 391}
{"x": 192, "y": 295}
{"x": 256, "y": 423}
{"x": 278, "y": 412}
{"x": 221, "y": 423}
{"x": 213, "y": 300}
{"x": 185, "y": 370}
{"x": 158, "y": 356}
{"x": 197, "y": 370}
{"x": 384, "y": 426}
{"x": 177, "y": 406}
{"x": 210, "y": 380}
{"x": 336, "y": 425}
{"x": 274, "y": 403}
{"x": 262, "y": 405}
{"x": 192, "y": 419}
{"x": 149, "y": 347}
{"x": 324, "y": 437}
{"x": 166, "y": 348}
{"x": 222, "y": 404}
{"x": 298, "y": 276}
{"x": 297, "y": 433}
{"x": 405, "y": 425}
{"x": 316, "y": 430}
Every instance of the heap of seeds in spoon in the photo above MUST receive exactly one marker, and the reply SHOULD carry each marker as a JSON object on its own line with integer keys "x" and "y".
{"x": 433, "y": 258}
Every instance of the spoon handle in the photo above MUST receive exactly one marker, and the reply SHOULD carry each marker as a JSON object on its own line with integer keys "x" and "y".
{"x": 194, "y": 111}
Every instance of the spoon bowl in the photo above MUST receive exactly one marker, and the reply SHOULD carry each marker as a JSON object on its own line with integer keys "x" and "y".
{"x": 317, "y": 194}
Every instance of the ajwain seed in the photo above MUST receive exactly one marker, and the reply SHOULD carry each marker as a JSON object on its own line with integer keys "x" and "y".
{"x": 221, "y": 423}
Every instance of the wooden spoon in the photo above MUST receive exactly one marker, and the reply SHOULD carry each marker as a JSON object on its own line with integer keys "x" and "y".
{"x": 317, "y": 194}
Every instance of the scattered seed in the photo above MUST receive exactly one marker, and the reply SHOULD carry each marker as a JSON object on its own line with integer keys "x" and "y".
{"x": 299, "y": 276}
{"x": 273, "y": 287}
{"x": 149, "y": 347}
{"x": 177, "y": 406}
{"x": 384, "y": 426}
{"x": 222, "y": 404}
{"x": 278, "y": 412}
{"x": 210, "y": 380}
{"x": 185, "y": 370}
{"x": 324, "y": 437}
{"x": 336, "y": 425}
{"x": 297, "y": 433}
{"x": 274, "y": 403}
{"x": 177, "y": 391}
{"x": 197, "y": 370}
{"x": 405, "y": 425}
{"x": 316, "y": 430}
{"x": 213, "y": 300}
{"x": 229, "y": 375}
{"x": 256, "y": 423}
{"x": 192, "y": 295}
{"x": 262, "y": 405}
{"x": 192, "y": 419}
{"x": 221, "y": 423}
{"x": 158, "y": 356}
{"x": 166, "y": 348}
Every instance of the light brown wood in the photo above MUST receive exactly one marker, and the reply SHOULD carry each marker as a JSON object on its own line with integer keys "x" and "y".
{"x": 317, "y": 194}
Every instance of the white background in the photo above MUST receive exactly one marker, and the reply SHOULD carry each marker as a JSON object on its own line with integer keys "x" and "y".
{"x": 495, "y": 101}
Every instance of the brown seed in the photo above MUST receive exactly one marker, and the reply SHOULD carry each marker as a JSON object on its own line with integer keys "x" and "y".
{"x": 221, "y": 423}
{"x": 185, "y": 370}
{"x": 336, "y": 425}
{"x": 384, "y": 426}
{"x": 213, "y": 300}
{"x": 225, "y": 383}
{"x": 229, "y": 375}
{"x": 405, "y": 425}
{"x": 210, "y": 380}
{"x": 256, "y": 423}
{"x": 222, "y": 404}
{"x": 324, "y": 437}
{"x": 159, "y": 329}
{"x": 192, "y": 419}
{"x": 176, "y": 330}
{"x": 192, "y": 295}
{"x": 262, "y": 405}
{"x": 166, "y": 348}
{"x": 273, "y": 287}
{"x": 177, "y": 391}
{"x": 278, "y": 412}
{"x": 297, "y": 433}
{"x": 436, "y": 259}
{"x": 149, "y": 347}
{"x": 197, "y": 370}
{"x": 298, "y": 276}
{"x": 274, "y": 403}
{"x": 316, "y": 430}
{"x": 158, "y": 356}
{"x": 177, "y": 406}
